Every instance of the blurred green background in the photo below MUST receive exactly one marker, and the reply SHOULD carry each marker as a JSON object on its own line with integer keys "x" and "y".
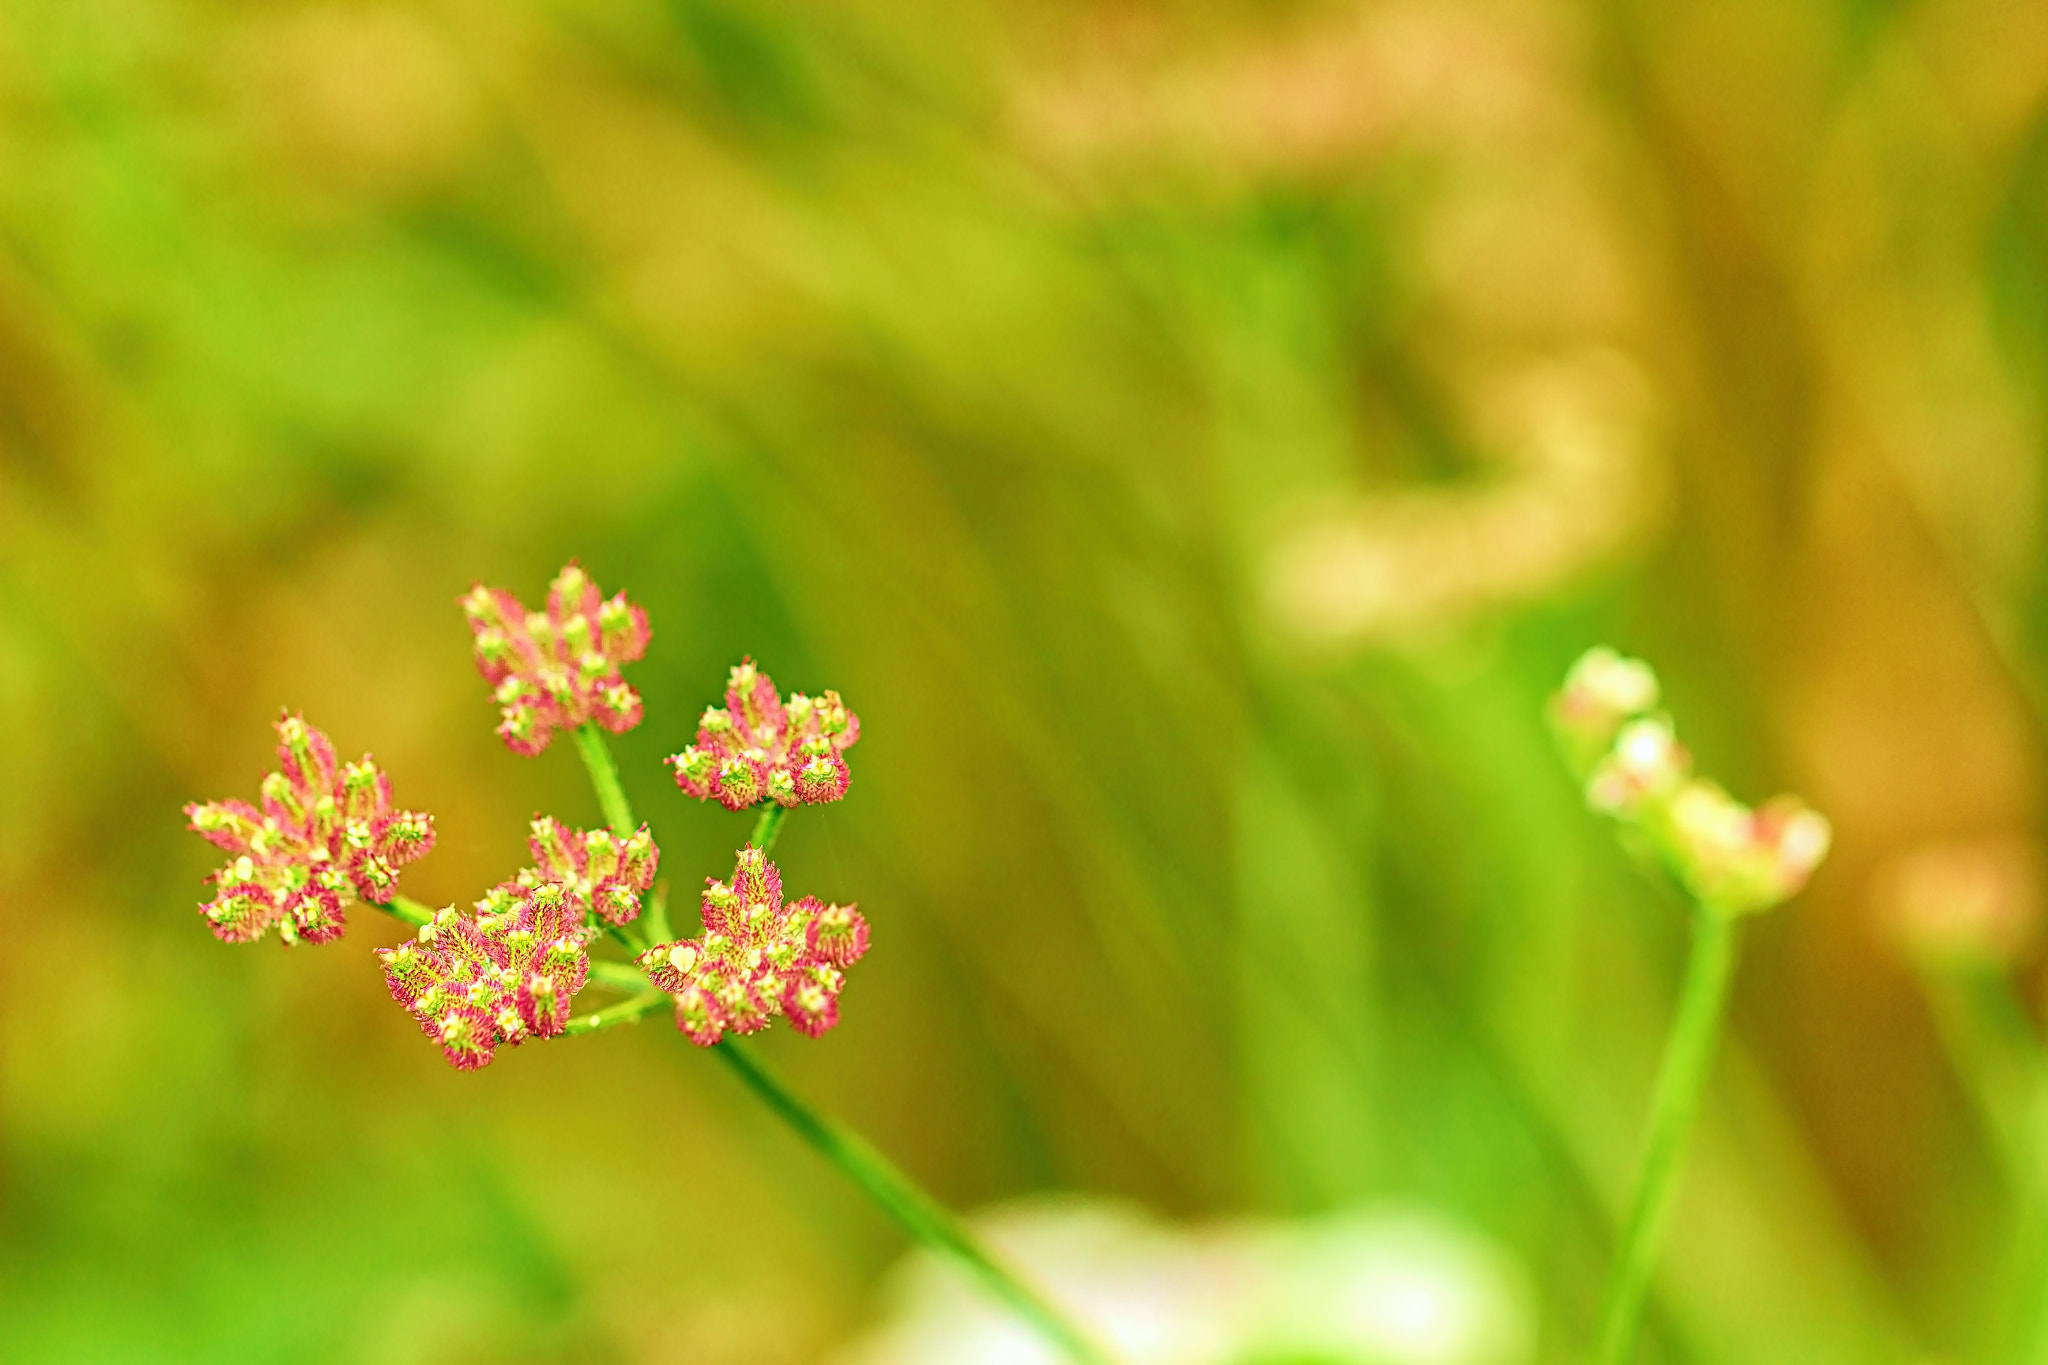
{"x": 1195, "y": 437}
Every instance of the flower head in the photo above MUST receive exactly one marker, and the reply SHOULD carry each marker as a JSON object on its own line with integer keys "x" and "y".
{"x": 496, "y": 976}
{"x": 758, "y": 958}
{"x": 760, "y": 747}
{"x": 324, "y": 836}
{"x": 1728, "y": 856}
{"x": 1603, "y": 692}
{"x": 558, "y": 668}
{"x": 1738, "y": 859}
{"x": 598, "y": 872}
{"x": 1644, "y": 763}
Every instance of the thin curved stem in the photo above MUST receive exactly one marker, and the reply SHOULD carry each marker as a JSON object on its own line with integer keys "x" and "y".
{"x": 405, "y": 908}
{"x": 619, "y": 976}
{"x": 899, "y": 1196}
{"x": 902, "y": 1199}
{"x": 767, "y": 827}
{"x": 604, "y": 776}
{"x": 1681, "y": 1080}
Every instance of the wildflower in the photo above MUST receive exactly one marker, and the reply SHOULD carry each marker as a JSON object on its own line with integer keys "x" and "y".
{"x": 325, "y": 836}
{"x": 1738, "y": 859}
{"x": 1725, "y": 854}
{"x": 1646, "y": 763}
{"x": 1603, "y": 692}
{"x": 758, "y": 958}
{"x": 762, "y": 748}
{"x": 558, "y": 668}
{"x": 496, "y": 976}
{"x": 598, "y": 872}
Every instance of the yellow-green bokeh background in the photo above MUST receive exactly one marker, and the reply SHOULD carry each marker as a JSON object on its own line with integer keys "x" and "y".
{"x": 1143, "y": 415}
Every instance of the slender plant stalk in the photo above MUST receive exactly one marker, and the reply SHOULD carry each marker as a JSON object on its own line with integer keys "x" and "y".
{"x": 921, "y": 1215}
{"x": 1681, "y": 1080}
{"x": 767, "y": 827}
{"x": 899, "y": 1196}
{"x": 604, "y": 777}
{"x": 625, "y": 1012}
{"x": 409, "y": 910}
{"x": 618, "y": 813}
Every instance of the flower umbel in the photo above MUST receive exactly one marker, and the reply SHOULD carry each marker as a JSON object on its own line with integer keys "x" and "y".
{"x": 324, "y": 836}
{"x": 599, "y": 873}
{"x": 558, "y": 668}
{"x": 758, "y": 958}
{"x": 1728, "y": 856}
{"x": 760, "y": 747}
{"x": 496, "y": 976}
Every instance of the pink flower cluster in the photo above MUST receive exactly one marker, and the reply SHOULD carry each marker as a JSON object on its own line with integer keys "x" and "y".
{"x": 495, "y": 977}
{"x": 325, "y": 835}
{"x": 556, "y": 669}
{"x": 1730, "y": 857}
{"x": 760, "y": 746}
{"x": 599, "y": 873}
{"x": 758, "y": 958}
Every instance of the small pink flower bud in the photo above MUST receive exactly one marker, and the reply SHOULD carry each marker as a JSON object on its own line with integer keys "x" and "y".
{"x": 810, "y": 999}
{"x": 325, "y": 836}
{"x": 759, "y": 748}
{"x": 468, "y": 1035}
{"x": 1646, "y": 763}
{"x": 1736, "y": 859}
{"x": 1602, "y": 692}
{"x": 698, "y": 1015}
{"x": 542, "y": 1005}
{"x": 315, "y": 914}
{"x": 559, "y": 668}
{"x": 838, "y": 934}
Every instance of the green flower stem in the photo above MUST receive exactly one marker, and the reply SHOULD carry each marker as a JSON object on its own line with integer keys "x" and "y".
{"x": 924, "y": 1217}
{"x": 409, "y": 910}
{"x": 1681, "y": 1080}
{"x": 618, "y": 975}
{"x": 604, "y": 776}
{"x": 618, "y": 813}
{"x": 625, "y": 1012}
{"x": 767, "y": 827}
{"x": 900, "y": 1197}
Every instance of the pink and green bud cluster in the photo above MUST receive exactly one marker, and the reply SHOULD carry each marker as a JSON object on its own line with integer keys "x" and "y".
{"x": 1730, "y": 857}
{"x": 600, "y": 873}
{"x": 494, "y": 977}
{"x": 324, "y": 836}
{"x": 759, "y": 747}
{"x": 1602, "y": 693}
{"x": 758, "y": 958}
{"x": 558, "y": 668}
